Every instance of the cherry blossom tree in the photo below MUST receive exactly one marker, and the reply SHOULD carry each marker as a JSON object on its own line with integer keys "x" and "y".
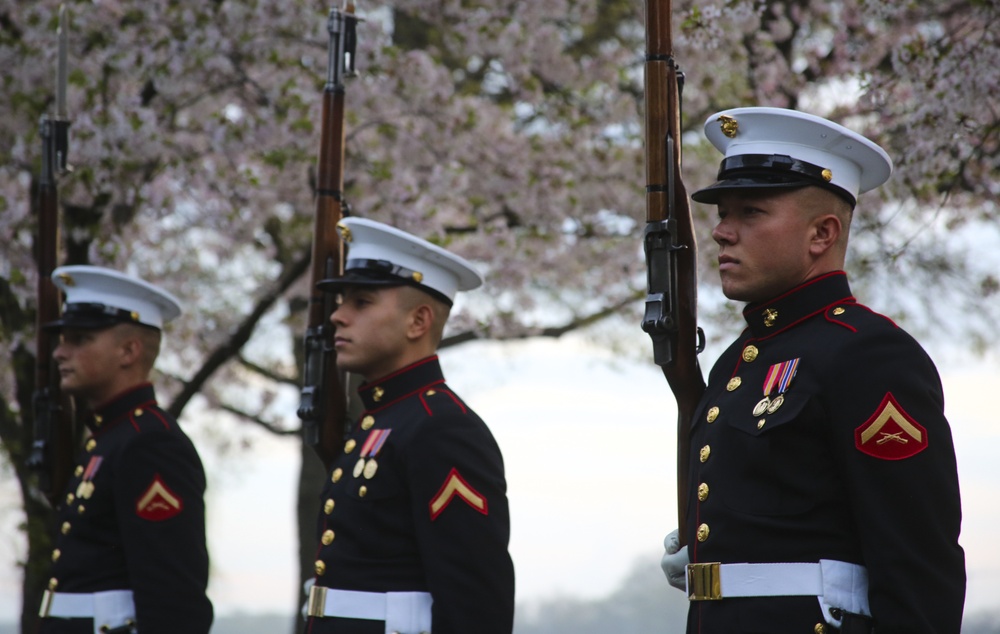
{"x": 507, "y": 131}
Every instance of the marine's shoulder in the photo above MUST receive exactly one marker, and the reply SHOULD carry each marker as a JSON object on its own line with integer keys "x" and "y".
{"x": 856, "y": 317}
{"x": 440, "y": 407}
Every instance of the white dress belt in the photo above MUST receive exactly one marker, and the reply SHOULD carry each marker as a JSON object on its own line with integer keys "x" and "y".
{"x": 74, "y": 605}
{"x": 110, "y": 609}
{"x": 837, "y": 584}
{"x": 403, "y": 612}
{"x": 708, "y": 582}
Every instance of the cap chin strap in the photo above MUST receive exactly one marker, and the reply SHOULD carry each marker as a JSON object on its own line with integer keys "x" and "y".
{"x": 386, "y": 271}
{"x": 385, "y": 267}
{"x": 779, "y": 169}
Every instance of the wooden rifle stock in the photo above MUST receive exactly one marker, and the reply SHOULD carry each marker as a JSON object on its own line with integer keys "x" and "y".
{"x": 670, "y": 318}
{"x": 323, "y": 404}
{"x": 51, "y": 456}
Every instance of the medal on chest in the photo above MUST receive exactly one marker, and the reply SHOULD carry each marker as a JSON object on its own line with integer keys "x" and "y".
{"x": 86, "y": 487}
{"x": 779, "y": 378}
{"x": 367, "y": 465}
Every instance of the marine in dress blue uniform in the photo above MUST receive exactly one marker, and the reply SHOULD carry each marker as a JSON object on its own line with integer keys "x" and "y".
{"x": 414, "y": 525}
{"x": 824, "y": 482}
{"x": 130, "y": 554}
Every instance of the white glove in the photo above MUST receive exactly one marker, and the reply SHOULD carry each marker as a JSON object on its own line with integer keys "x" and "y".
{"x": 675, "y": 561}
{"x": 306, "y": 587}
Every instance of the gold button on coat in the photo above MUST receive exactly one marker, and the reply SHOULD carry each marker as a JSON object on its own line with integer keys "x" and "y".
{"x": 55, "y": 554}
{"x": 53, "y": 583}
{"x": 328, "y": 506}
{"x": 320, "y": 567}
{"x": 702, "y": 492}
{"x": 705, "y": 452}
{"x": 712, "y": 414}
{"x": 327, "y": 537}
{"x": 363, "y": 491}
{"x": 80, "y": 509}
{"x": 349, "y": 445}
{"x": 703, "y": 532}
{"x": 91, "y": 444}
{"x": 69, "y": 498}
{"x": 734, "y": 383}
{"x": 66, "y": 526}
{"x": 820, "y": 628}
{"x": 750, "y": 353}
{"x": 78, "y": 471}
{"x": 367, "y": 422}
{"x": 337, "y": 474}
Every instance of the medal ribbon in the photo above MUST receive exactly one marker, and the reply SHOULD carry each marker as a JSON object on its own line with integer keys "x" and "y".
{"x": 92, "y": 467}
{"x": 373, "y": 444}
{"x": 780, "y": 374}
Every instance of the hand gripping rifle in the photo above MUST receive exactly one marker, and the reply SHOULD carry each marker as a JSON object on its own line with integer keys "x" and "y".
{"x": 669, "y": 242}
{"x": 52, "y": 444}
{"x": 323, "y": 403}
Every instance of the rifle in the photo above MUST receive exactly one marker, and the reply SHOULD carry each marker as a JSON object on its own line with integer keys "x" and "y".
{"x": 671, "y": 250}
{"x": 323, "y": 402}
{"x": 52, "y": 443}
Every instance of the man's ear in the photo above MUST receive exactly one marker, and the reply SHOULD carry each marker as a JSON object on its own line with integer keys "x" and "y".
{"x": 420, "y": 322}
{"x": 131, "y": 350}
{"x": 825, "y": 232}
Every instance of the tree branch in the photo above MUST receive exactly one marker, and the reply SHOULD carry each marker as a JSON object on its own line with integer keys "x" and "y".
{"x": 241, "y": 335}
{"x": 257, "y": 420}
{"x": 267, "y": 373}
{"x": 552, "y": 331}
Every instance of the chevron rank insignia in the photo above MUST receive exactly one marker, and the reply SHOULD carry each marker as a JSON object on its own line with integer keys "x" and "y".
{"x": 157, "y": 502}
{"x": 455, "y": 486}
{"x": 890, "y": 433}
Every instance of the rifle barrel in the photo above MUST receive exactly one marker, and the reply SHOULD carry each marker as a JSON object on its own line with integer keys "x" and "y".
{"x": 670, "y": 243}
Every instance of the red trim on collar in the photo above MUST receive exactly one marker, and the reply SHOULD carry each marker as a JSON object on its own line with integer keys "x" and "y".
{"x": 368, "y": 386}
{"x": 794, "y": 290}
{"x": 403, "y": 397}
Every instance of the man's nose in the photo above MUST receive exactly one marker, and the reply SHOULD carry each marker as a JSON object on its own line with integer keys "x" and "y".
{"x": 723, "y": 233}
{"x": 337, "y": 316}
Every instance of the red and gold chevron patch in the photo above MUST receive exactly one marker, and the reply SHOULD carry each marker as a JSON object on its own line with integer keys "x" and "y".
{"x": 158, "y": 502}
{"x": 455, "y": 486}
{"x": 890, "y": 433}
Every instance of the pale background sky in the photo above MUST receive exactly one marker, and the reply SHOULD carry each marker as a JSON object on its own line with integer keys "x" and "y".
{"x": 588, "y": 440}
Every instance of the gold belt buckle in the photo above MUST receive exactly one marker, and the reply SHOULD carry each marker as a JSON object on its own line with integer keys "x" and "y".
{"x": 317, "y": 601}
{"x": 46, "y": 606}
{"x": 704, "y": 582}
